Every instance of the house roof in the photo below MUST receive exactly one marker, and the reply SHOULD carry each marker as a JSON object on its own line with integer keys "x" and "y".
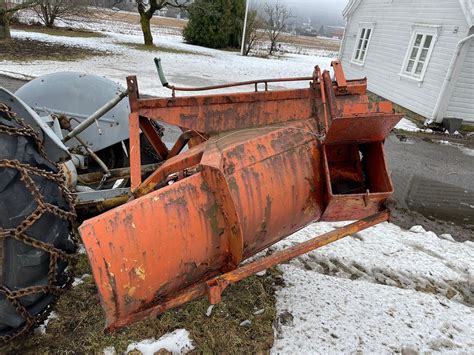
{"x": 467, "y": 7}
{"x": 350, "y": 8}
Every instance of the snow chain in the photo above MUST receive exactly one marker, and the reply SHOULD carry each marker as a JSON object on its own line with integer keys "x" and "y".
{"x": 20, "y": 232}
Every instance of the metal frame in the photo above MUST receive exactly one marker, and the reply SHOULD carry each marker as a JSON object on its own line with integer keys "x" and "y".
{"x": 203, "y": 211}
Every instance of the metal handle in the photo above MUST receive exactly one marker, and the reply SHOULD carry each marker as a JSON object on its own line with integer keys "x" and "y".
{"x": 159, "y": 68}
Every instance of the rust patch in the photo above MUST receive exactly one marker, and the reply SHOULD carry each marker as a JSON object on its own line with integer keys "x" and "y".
{"x": 233, "y": 184}
{"x": 212, "y": 215}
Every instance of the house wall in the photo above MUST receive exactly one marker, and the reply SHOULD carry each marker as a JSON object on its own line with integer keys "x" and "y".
{"x": 461, "y": 103}
{"x": 389, "y": 43}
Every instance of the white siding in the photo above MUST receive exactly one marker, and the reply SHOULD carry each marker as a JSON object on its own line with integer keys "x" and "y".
{"x": 461, "y": 104}
{"x": 389, "y": 43}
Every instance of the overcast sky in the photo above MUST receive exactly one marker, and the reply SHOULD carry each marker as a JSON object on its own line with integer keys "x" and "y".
{"x": 327, "y": 12}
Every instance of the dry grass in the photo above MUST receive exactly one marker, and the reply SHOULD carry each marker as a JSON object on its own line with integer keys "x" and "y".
{"x": 80, "y": 322}
{"x": 25, "y": 50}
{"x": 158, "y": 49}
{"x": 63, "y": 32}
{"x": 130, "y": 17}
{"x": 312, "y": 42}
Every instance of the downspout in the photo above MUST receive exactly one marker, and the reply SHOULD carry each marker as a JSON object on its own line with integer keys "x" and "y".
{"x": 343, "y": 43}
{"x": 438, "y": 110}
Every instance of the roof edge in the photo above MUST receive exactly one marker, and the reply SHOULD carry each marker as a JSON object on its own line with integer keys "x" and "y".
{"x": 351, "y": 7}
{"x": 468, "y": 9}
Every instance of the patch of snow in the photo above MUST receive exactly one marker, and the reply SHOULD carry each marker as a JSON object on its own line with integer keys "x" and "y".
{"x": 79, "y": 280}
{"x": 261, "y": 273}
{"x": 332, "y": 315}
{"x": 447, "y": 236}
{"x": 467, "y": 151}
{"x": 381, "y": 290}
{"x": 42, "y": 328}
{"x": 110, "y": 350}
{"x": 417, "y": 229}
{"x": 406, "y": 125}
{"x": 209, "y": 310}
{"x": 245, "y": 323}
{"x": 176, "y": 342}
{"x": 260, "y": 311}
{"x": 197, "y": 67}
{"x": 462, "y": 148}
{"x": 16, "y": 75}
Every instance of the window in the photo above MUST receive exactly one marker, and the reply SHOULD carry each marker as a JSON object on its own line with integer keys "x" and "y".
{"x": 362, "y": 43}
{"x": 419, "y": 51}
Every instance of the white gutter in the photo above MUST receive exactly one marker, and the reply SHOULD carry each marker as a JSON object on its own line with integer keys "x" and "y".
{"x": 441, "y": 102}
{"x": 343, "y": 42}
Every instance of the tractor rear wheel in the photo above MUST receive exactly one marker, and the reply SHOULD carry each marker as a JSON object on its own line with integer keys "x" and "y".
{"x": 37, "y": 247}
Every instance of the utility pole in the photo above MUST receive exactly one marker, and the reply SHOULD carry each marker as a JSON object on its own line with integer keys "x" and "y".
{"x": 245, "y": 27}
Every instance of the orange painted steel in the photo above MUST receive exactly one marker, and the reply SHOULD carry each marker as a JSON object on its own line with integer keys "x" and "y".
{"x": 214, "y": 287}
{"x": 263, "y": 165}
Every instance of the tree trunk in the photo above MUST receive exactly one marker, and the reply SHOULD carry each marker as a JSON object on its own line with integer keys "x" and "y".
{"x": 5, "y": 35}
{"x": 146, "y": 29}
{"x": 272, "y": 48}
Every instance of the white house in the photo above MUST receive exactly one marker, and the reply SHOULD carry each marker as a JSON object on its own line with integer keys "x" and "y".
{"x": 416, "y": 53}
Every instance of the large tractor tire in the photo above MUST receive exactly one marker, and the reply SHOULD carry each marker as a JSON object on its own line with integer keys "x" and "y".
{"x": 37, "y": 247}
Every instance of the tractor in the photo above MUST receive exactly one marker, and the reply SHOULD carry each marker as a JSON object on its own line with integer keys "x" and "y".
{"x": 173, "y": 194}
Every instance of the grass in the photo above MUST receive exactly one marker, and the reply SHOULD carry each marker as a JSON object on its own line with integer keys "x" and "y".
{"x": 311, "y": 42}
{"x": 133, "y": 17}
{"x": 63, "y": 32}
{"x": 155, "y": 48}
{"x": 80, "y": 322}
{"x": 26, "y": 50}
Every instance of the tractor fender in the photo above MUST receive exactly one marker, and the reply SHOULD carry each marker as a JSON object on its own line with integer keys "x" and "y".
{"x": 54, "y": 148}
{"x": 78, "y": 95}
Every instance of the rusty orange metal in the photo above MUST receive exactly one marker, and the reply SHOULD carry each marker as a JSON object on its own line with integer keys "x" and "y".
{"x": 264, "y": 165}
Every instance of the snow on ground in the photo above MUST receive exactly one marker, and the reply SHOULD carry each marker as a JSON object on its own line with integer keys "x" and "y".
{"x": 177, "y": 342}
{"x": 406, "y": 125}
{"x": 462, "y": 148}
{"x": 382, "y": 290}
{"x": 42, "y": 327}
{"x": 202, "y": 66}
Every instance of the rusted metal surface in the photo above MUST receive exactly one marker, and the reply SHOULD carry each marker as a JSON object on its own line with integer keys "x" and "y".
{"x": 95, "y": 177}
{"x": 264, "y": 165}
{"x": 214, "y": 287}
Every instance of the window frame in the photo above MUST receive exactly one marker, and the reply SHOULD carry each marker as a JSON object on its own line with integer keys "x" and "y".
{"x": 423, "y": 30}
{"x": 363, "y": 26}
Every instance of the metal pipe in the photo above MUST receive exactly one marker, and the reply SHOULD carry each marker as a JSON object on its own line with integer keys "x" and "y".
{"x": 91, "y": 178}
{"x": 242, "y": 48}
{"x": 95, "y": 157}
{"x": 442, "y": 97}
{"x": 95, "y": 116}
{"x": 166, "y": 84}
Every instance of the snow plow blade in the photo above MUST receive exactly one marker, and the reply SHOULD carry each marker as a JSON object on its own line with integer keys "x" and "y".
{"x": 261, "y": 165}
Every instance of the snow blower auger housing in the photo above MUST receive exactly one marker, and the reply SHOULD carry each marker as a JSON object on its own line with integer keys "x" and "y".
{"x": 260, "y": 166}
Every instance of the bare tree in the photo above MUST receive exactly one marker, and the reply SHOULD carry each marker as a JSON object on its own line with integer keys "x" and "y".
{"x": 7, "y": 10}
{"x": 276, "y": 19}
{"x": 252, "y": 34}
{"x": 147, "y": 8}
{"x": 50, "y": 10}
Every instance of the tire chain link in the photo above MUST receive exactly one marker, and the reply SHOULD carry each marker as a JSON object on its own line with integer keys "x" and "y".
{"x": 20, "y": 232}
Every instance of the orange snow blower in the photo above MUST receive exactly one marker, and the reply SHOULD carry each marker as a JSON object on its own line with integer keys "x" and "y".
{"x": 259, "y": 166}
